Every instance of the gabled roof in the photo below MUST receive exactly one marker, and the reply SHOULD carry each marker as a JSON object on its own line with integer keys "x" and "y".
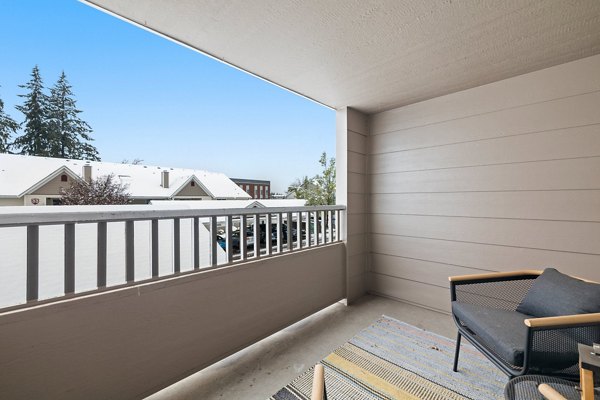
{"x": 211, "y": 205}
{"x": 22, "y": 174}
{"x": 197, "y": 181}
{"x": 60, "y": 171}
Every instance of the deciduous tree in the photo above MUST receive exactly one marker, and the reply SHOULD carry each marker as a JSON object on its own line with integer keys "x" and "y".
{"x": 136, "y": 161}
{"x": 320, "y": 189}
{"x": 100, "y": 191}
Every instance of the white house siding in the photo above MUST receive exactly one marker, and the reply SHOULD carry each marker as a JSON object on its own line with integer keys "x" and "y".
{"x": 500, "y": 177}
{"x": 13, "y": 261}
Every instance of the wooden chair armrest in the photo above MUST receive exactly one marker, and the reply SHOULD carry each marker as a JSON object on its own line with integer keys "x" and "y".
{"x": 549, "y": 393}
{"x": 563, "y": 320}
{"x": 494, "y": 275}
{"x": 318, "y": 387}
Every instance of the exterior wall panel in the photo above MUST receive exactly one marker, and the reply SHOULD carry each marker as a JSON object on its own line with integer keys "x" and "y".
{"x": 131, "y": 342}
{"x": 352, "y": 191}
{"x": 500, "y": 177}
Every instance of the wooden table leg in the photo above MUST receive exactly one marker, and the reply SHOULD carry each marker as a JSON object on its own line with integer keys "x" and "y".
{"x": 318, "y": 389}
{"x": 587, "y": 384}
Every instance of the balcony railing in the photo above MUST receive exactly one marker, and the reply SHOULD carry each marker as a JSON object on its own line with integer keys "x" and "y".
{"x": 232, "y": 236}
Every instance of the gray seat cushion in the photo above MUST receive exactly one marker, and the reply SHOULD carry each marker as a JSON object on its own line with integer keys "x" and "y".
{"x": 553, "y": 294}
{"x": 502, "y": 331}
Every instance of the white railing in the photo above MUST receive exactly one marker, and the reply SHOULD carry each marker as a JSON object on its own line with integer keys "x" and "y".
{"x": 232, "y": 237}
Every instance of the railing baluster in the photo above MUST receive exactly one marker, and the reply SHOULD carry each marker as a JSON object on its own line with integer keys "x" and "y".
{"x": 69, "y": 258}
{"x": 102, "y": 251}
{"x": 308, "y": 231}
{"x": 196, "y": 243}
{"x": 256, "y": 235}
{"x": 33, "y": 258}
{"x": 213, "y": 241}
{"x": 176, "y": 245}
{"x": 323, "y": 233}
{"x": 290, "y": 237}
{"x": 299, "y": 229}
{"x": 329, "y": 227}
{"x": 343, "y": 217}
{"x": 229, "y": 242}
{"x": 337, "y": 225}
{"x": 129, "y": 251}
{"x": 268, "y": 235}
{"x": 243, "y": 246}
{"x": 279, "y": 233}
{"x": 316, "y": 228}
{"x": 154, "y": 242}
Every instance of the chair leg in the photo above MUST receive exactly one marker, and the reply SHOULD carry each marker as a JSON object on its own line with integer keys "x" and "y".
{"x": 455, "y": 368}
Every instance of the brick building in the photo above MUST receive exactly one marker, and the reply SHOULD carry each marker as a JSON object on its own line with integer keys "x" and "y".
{"x": 255, "y": 188}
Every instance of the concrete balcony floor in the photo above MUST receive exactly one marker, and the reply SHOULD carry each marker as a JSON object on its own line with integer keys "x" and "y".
{"x": 263, "y": 368}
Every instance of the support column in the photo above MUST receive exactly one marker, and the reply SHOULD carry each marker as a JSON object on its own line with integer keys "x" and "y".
{"x": 352, "y": 191}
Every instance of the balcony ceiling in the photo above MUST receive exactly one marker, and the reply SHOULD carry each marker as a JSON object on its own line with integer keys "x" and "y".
{"x": 376, "y": 55}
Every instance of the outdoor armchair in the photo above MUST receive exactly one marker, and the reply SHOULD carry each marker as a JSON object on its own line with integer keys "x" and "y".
{"x": 526, "y": 321}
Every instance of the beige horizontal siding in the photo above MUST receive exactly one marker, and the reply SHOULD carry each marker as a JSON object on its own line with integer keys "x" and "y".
{"x": 488, "y": 257}
{"x": 352, "y": 190}
{"x": 558, "y": 144}
{"x": 571, "y": 174}
{"x": 539, "y": 117}
{"x": 357, "y": 162}
{"x": 357, "y": 142}
{"x": 430, "y": 296}
{"x": 357, "y": 203}
{"x": 570, "y": 79}
{"x": 357, "y": 182}
{"x": 427, "y": 272}
{"x": 357, "y": 244}
{"x": 580, "y": 237}
{"x": 501, "y": 177}
{"x": 583, "y": 205}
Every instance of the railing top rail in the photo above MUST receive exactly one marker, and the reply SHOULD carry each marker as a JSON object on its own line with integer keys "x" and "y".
{"x": 91, "y": 214}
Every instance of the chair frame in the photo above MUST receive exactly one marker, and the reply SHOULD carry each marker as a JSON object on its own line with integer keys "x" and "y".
{"x": 534, "y": 325}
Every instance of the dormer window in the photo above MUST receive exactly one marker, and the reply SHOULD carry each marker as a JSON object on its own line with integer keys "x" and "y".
{"x": 64, "y": 178}
{"x": 192, "y": 183}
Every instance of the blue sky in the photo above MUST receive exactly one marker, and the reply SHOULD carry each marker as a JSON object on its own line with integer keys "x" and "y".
{"x": 148, "y": 98}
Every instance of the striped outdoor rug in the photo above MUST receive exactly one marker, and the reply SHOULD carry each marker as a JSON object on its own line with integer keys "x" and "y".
{"x": 394, "y": 360}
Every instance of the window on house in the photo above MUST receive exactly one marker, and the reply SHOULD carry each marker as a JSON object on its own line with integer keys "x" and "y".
{"x": 192, "y": 183}
{"x": 64, "y": 178}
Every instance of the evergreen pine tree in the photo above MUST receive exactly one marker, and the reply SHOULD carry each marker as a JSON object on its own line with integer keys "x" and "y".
{"x": 8, "y": 126}
{"x": 35, "y": 140}
{"x": 69, "y": 135}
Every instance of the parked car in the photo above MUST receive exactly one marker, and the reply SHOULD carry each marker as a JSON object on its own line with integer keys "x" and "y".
{"x": 235, "y": 241}
{"x": 222, "y": 242}
{"x": 284, "y": 233}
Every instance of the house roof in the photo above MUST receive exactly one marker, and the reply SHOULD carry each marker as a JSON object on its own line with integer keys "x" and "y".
{"x": 375, "y": 55}
{"x": 20, "y": 175}
{"x": 251, "y": 181}
{"x": 210, "y": 205}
